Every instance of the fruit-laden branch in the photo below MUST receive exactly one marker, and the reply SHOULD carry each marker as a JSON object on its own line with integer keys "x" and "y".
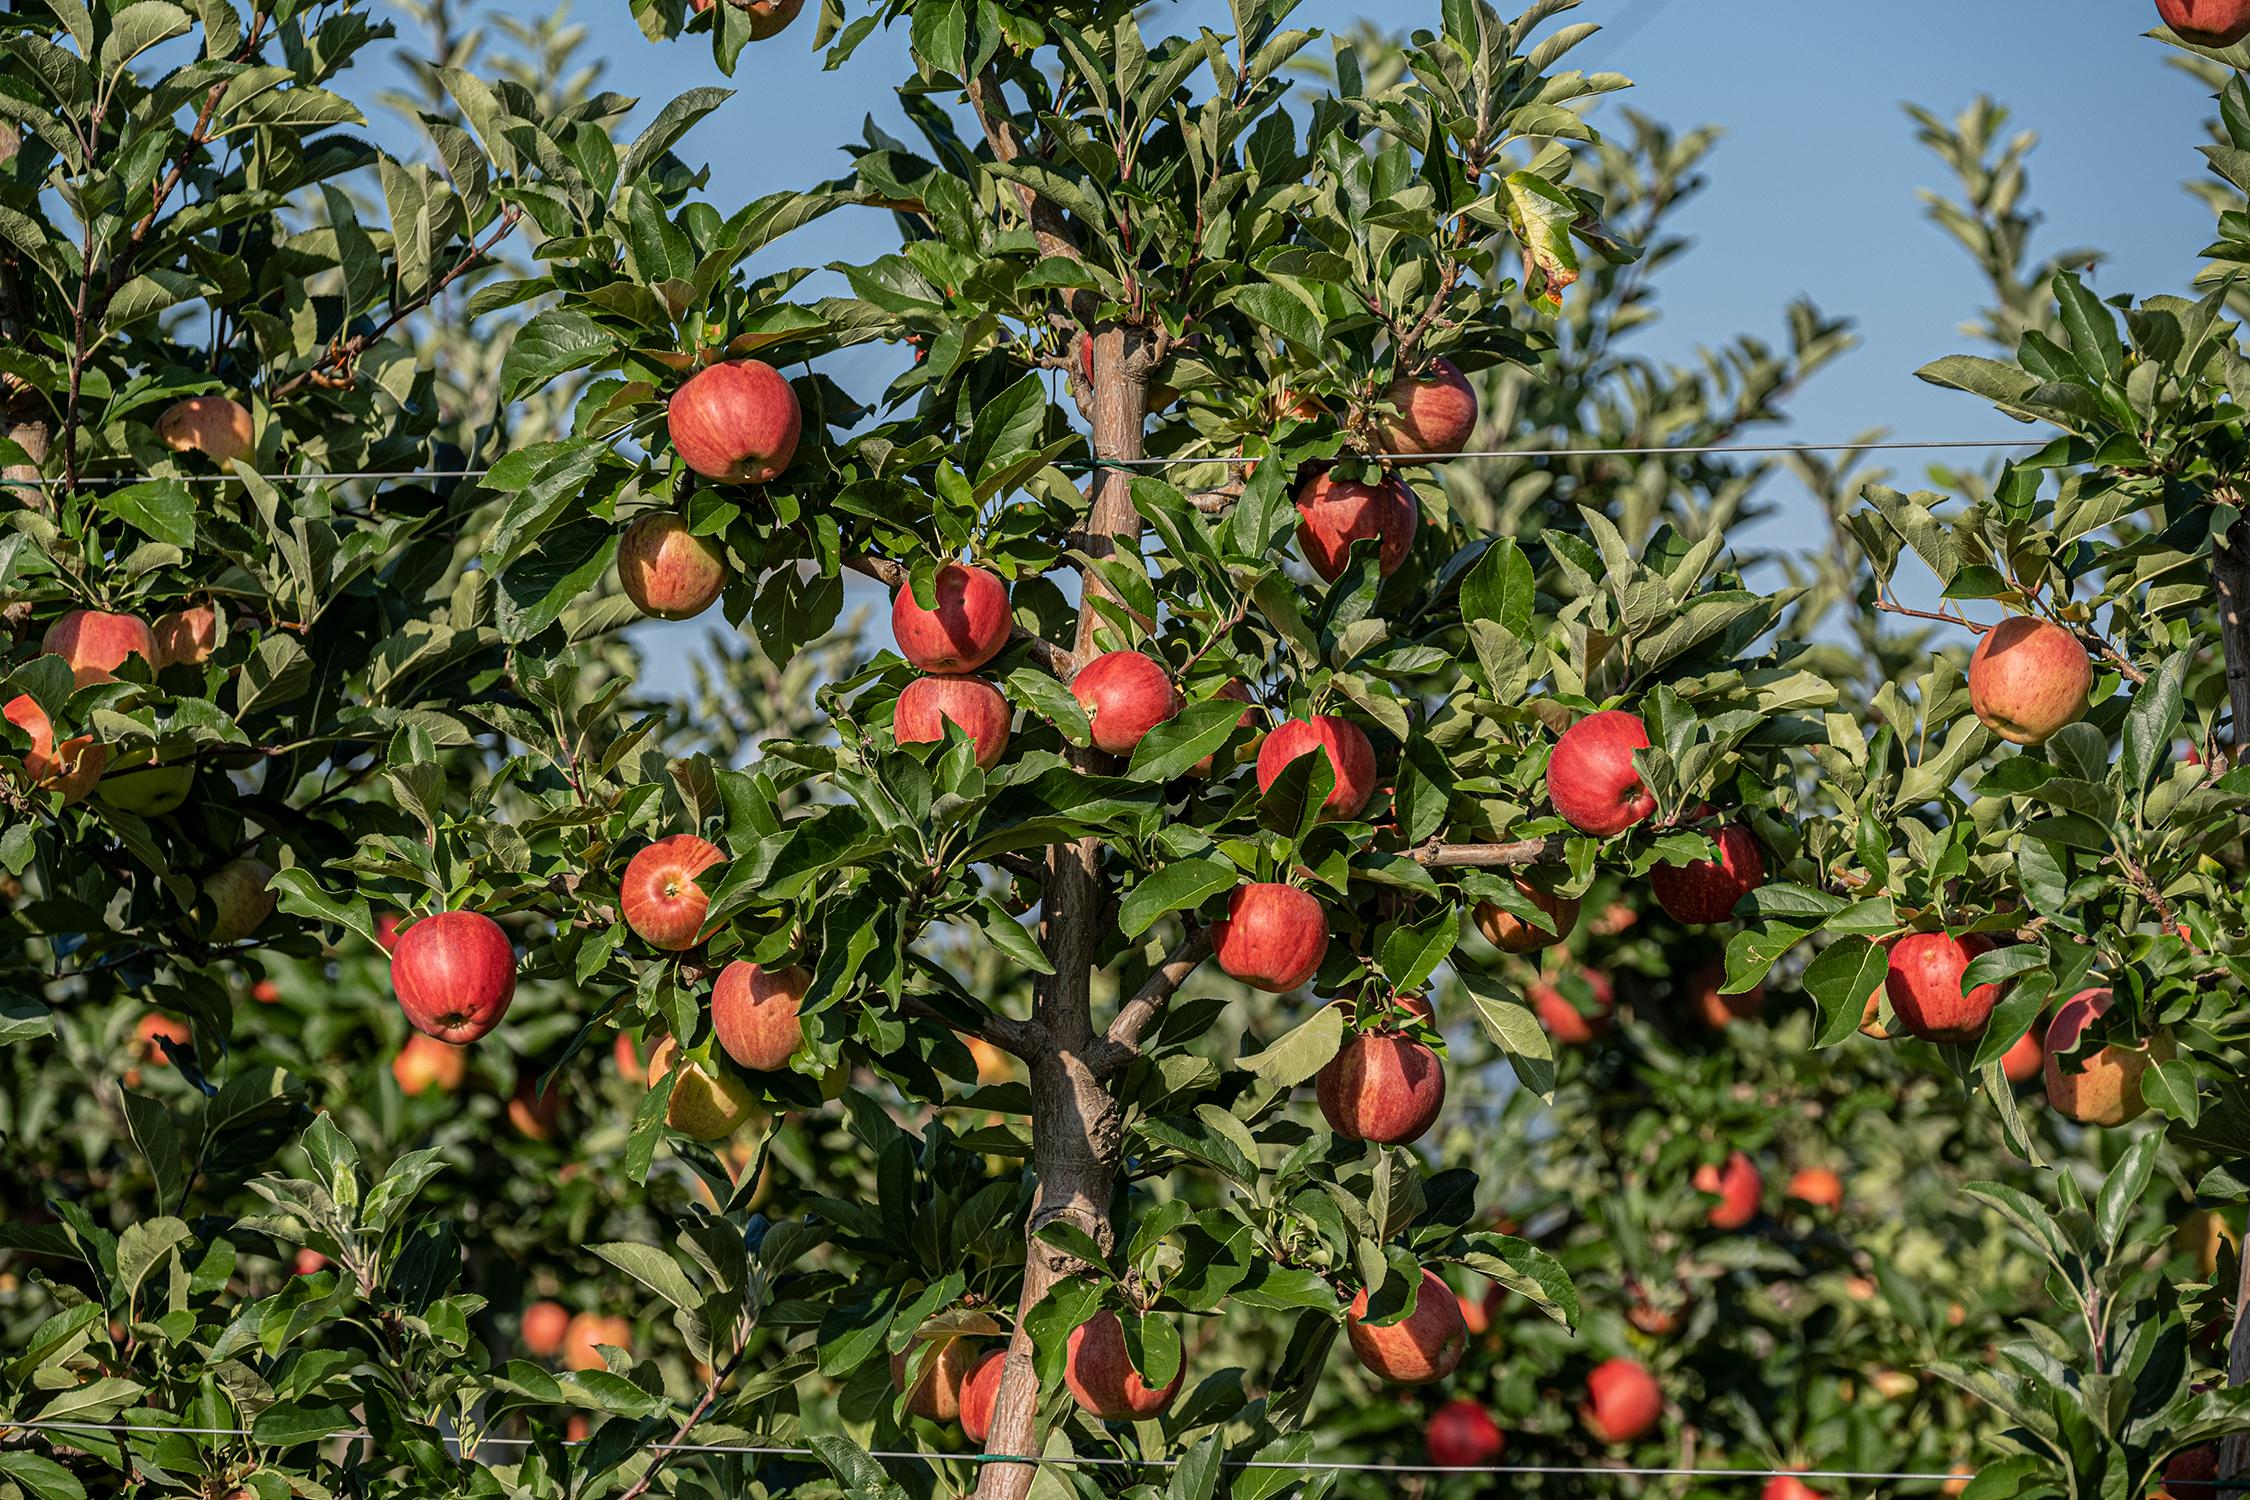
{"x": 2086, "y": 635}
{"x": 665, "y": 1451}
{"x": 1123, "y": 1042}
{"x": 893, "y": 576}
{"x": 1489, "y": 856}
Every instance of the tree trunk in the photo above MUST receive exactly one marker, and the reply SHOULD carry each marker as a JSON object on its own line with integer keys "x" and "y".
{"x": 2230, "y": 577}
{"x": 1077, "y": 1133}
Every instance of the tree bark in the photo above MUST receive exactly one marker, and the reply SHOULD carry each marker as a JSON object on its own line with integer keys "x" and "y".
{"x": 1077, "y": 1131}
{"x": 2230, "y": 578}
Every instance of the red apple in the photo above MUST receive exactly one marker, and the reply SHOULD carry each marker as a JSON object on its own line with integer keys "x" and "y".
{"x": 386, "y": 931}
{"x": 936, "y": 1396}
{"x": 768, "y": 18}
{"x": 1350, "y": 755}
{"x": 1236, "y": 692}
{"x": 2207, "y": 23}
{"x": 214, "y": 426}
{"x": 1564, "y": 1021}
{"x": 1102, "y": 1378}
{"x": 661, "y": 899}
{"x": 705, "y": 1105}
{"x": 1272, "y": 938}
{"x": 1333, "y": 513}
{"x": 71, "y": 771}
{"x": 625, "y": 1052}
{"x": 455, "y": 973}
{"x": 2193, "y": 1473}
{"x": 96, "y": 644}
{"x": 754, "y": 1012}
{"x": 156, "y": 1027}
{"x": 2026, "y": 1059}
{"x": 1437, "y": 411}
{"x": 1622, "y": 1401}
{"x": 1719, "y": 1011}
{"x": 238, "y": 900}
{"x": 1703, "y": 891}
{"x": 185, "y": 637}
{"x": 1462, "y": 1435}
{"x": 2028, "y": 678}
{"x": 426, "y": 1063}
{"x": 1788, "y": 1487}
{"x": 1383, "y": 1086}
{"x": 1424, "y": 1347}
{"x": 586, "y": 1332}
{"x": 1739, "y": 1187}
{"x": 1513, "y": 934}
{"x": 736, "y": 422}
{"x": 1818, "y": 1186}
{"x": 265, "y": 992}
{"x": 930, "y": 703}
{"x": 2103, "y": 1088}
{"x": 1590, "y": 776}
{"x": 1126, "y": 695}
{"x": 534, "y": 1111}
{"x": 967, "y": 628}
{"x": 667, "y": 571}
{"x": 307, "y": 1262}
{"x": 545, "y": 1324}
{"x": 980, "y": 1395}
{"x": 1924, "y": 986}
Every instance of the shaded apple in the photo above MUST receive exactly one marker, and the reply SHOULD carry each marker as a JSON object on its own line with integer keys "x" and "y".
{"x": 2103, "y": 1088}
{"x": 217, "y": 427}
{"x": 2207, "y": 23}
{"x": 534, "y": 1111}
{"x": 1622, "y": 1401}
{"x": 737, "y": 422}
{"x": 980, "y": 1394}
{"x": 1739, "y": 1187}
{"x": 1718, "y": 1010}
{"x": 754, "y": 1012}
{"x": 1125, "y": 695}
{"x": 625, "y": 1052}
{"x": 2026, "y": 1060}
{"x": 1513, "y": 934}
{"x": 1923, "y": 983}
{"x": 1703, "y": 891}
{"x": 2028, "y": 678}
{"x": 662, "y": 901}
{"x": 1101, "y": 1376}
{"x": 1423, "y": 1347}
{"x": 1248, "y": 719}
{"x": 667, "y": 571}
{"x": 1565, "y": 1021}
{"x": 769, "y": 18}
{"x": 70, "y": 771}
{"x": 930, "y": 703}
{"x": 2193, "y": 1473}
{"x": 1384, "y": 1086}
{"x": 585, "y": 1333}
{"x": 185, "y": 637}
{"x": 544, "y": 1327}
{"x": 1590, "y": 776}
{"x": 1437, "y": 411}
{"x": 94, "y": 644}
{"x": 307, "y": 1262}
{"x": 235, "y": 900}
{"x": 936, "y": 1396}
{"x": 1333, "y": 513}
{"x": 1462, "y": 1435}
{"x": 1351, "y": 756}
{"x": 1273, "y": 936}
{"x": 966, "y": 628}
{"x": 454, "y": 974}
{"x": 425, "y": 1063}
{"x": 146, "y": 791}
{"x": 157, "y": 1028}
{"x": 1819, "y": 1187}
{"x": 705, "y": 1105}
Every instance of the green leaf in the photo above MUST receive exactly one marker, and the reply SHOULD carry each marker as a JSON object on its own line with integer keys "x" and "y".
{"x": 288, "y": 1424}
{"x": 1182, "y": 884}
{"x": 1840, "y": 981}
{"x": 1301, "y": 1052}
{"x": 1501, "y": 589}
{"x": 40, "y": 1478}
{"x": 160, "y": 508}
{"x": 1182, "y": 742}
{"x": 1525, "y": 1269}
{"x": 653, "y": 1269}
{"x": 554, "y": 343}
{"x": 1515, "y": 1029}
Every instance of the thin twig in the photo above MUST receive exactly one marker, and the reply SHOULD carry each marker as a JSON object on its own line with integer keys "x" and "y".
{"x": 1122, "y": 1043}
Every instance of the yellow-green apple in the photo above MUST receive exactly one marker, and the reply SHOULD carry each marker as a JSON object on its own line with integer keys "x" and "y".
{"x": 1383, "y": 1086}
{"x": 238, "y": 900}
{"x": 980, "y": 1395}
{"x": 930, "y": 703}
{"x": 1820, "y": 1187}
{"x": 2026, "y": 1059}
{"x": 1563, "y": 1018}
{"x": 1739, "y": 1187}
{"x": 584, "y": 1335}
{"x": 1421, "y": 1348}
{"x": 185, "y": 637}
{"x": 215, "y": 426}
{"x": 1622, "y": 1401}
{"x": 1248, "y": 719}
{"x": 1591, "y": 779}
{"x": 1125, "y": 695}
{"x": 425, "y": 1063}
{"x": 2028, "y": 678}
{"x": 966, "y": 627}
{"x": 1333, "y": 513}
{"x": 754, "y": 1012}
{"x": 2104, "y": 1087}
{"x": 936, "y": 1396}
{"x": 669, "y": 572}
{"x": 95, "y": 644}
{"x": 1351, "y": 756}
{"x": 545, "y": 1326}
{"x": 1101, "y": 1376}
{"x": 2207, "y": 23}
{"x": 454, "y": 973}
{"x": 70, "y": 770}
{"x": 146, "y": 791}
{"x": 1273, "y": 936}
{"x": 1513, "y": 934}
{"x": 661, "y": 900}
{"x": 705, "y": 1104}
{"x": 1703, "y": 891}
{"x": 737, "y": 422}
{"x": 1437, "y": 410}
{"x": 1462, "y": 1435}
{"x": 1924, "y": 986}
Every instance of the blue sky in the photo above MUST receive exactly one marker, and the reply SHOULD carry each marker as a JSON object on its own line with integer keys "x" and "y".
{"x": 1812, "y": 192}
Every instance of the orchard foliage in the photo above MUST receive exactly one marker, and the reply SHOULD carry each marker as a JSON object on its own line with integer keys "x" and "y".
{"x": 1188, "y": 353}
